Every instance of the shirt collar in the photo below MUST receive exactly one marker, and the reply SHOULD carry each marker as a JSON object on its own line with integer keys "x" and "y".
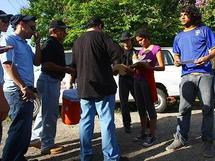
{"x": 17, "y": 37}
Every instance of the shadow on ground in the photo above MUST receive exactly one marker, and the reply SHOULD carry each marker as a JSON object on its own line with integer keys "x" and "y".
{"x": 135, "y": 151}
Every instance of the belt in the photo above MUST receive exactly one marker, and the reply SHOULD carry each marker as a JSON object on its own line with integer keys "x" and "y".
{"x": 196, "y": 74}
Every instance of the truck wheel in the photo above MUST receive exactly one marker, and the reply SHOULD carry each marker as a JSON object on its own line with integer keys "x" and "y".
{"x": 161, "y": 104}
{"x": 36, "y": 106}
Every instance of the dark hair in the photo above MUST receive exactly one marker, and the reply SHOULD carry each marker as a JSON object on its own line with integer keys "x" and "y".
{"x": 95, "y": 22}
{"x": 193, "y": 13}
{"x": 143, "y": 32}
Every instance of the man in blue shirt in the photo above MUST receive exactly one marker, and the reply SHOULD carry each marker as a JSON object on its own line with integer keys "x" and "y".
{"x": 19, "y": 80}
{"x": 194, "y": 47}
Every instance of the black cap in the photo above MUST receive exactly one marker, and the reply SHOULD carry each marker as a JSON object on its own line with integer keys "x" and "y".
{"x": 19, "y": 17}
{"x": 58, "y": 24}
{"x": 3, "y": 15}
{"x": 125, "y": 36}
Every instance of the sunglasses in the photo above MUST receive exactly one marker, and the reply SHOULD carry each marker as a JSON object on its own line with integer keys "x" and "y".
{"x": 33, "y": 28}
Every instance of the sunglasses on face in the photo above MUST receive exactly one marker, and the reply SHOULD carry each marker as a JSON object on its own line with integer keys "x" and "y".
{"x": 33, "y": 28}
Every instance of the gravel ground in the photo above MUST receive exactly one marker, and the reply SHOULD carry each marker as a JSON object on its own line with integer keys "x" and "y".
{"x": 68, "y": 136}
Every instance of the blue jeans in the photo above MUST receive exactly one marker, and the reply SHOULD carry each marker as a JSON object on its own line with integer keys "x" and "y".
{"x": 19, "y": 133}
{"x": 105, "y": 109}
{"x": 190, "y": 87}
{"x": 46, "y": 120}
{"x": 126, "y": 85}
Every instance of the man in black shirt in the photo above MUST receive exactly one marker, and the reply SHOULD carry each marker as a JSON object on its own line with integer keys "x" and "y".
{"x": 93, "y": 54}
{"x": 126, "y": 82}
{"x": 48, "y": 85}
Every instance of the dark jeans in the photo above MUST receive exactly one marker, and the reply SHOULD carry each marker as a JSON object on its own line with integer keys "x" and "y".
{"x": 19, "y": 133}
{"x": 126, "y": 85}
{"x": 143, "y": 99}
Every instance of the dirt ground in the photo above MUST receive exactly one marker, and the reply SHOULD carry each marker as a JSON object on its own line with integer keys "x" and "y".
{"x": 68, "y": 136}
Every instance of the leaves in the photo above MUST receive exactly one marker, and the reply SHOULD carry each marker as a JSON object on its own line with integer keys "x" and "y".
{"x": 161, "y": 17}
{"x": 209, "y": 14}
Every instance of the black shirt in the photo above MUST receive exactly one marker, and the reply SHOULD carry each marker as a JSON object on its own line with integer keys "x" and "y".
{"x": 93, "y": 54}
{"x": 53, "y": 51}
{"x": 126, "y": 59}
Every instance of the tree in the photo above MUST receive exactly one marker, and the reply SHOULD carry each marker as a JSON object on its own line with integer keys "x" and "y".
{"x": 45, "y": 11}
{"x": 159, "y": 16}
{"x": 208, "y": 11}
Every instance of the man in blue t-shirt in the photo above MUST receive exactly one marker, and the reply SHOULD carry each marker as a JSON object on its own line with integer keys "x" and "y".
{"x": 19, "y": 80}
{"x": 194, "y": 47}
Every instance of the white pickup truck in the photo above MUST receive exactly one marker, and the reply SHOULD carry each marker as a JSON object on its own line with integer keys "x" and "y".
{"x": 167, "y": 82}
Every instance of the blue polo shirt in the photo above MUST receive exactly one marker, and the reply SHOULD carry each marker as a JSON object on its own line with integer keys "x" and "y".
{"x": 191, "y": 45}
{"x": 22, "y": 57}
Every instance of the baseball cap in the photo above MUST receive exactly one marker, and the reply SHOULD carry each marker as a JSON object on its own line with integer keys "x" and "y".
{"x": 58, "y": 24}
{"x": 19, "y": 17}
{"x": 125, "y": 36}
{"x": 3, "y": 15}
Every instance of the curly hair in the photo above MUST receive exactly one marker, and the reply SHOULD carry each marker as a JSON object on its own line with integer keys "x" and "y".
{"x": 193, "y": 13}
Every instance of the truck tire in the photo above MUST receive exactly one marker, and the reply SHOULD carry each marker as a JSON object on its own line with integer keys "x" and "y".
{"x": 161, "y": 104}
{"x": 37, "y": 104}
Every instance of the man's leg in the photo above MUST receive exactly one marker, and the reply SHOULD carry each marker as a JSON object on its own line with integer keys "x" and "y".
{"x": 49, "y": 90}
{"x": 188, "y": 93}
{"x": 205, "y": 95}
{"x": 37, "y": 128}
{"x": 105, "y": 109}
{"x": 86, "y": 127}
{"x": 19, "y": 133}
{"x": 37, "y": 131}
{"x": 123, "y": 94}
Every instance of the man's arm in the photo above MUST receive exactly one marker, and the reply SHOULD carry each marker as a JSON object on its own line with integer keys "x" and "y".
{"x": 50, "y": 66}
{"x": 5, "y": 48}
{"x": 37, "y": 56}
{"x": 206, "y": 58}
{"x": 177, "y": 60}
{"x": 4, "y": 106}
{"x": 27, "y": 94}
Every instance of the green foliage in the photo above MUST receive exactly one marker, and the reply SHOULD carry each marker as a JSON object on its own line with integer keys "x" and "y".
{"x": 45, "y": 11}
{"x": 160, "y": 17}
{"x": 209, "y": 14}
